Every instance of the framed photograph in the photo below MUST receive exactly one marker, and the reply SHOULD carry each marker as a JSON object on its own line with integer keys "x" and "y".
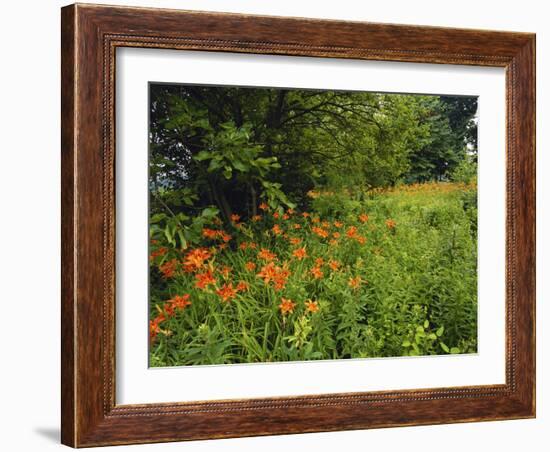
{"x": 281, "y": 225}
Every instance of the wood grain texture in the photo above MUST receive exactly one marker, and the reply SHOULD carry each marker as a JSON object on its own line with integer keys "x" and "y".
{"x": 68, "y": 244}
{"x": 90, "y": 36}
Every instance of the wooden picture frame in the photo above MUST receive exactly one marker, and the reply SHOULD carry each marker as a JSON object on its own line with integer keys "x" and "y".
{"x": 90, "y": 36}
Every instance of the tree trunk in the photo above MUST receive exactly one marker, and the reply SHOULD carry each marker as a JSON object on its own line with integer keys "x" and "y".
{"x": 254, "y": 199}
{"x": 221, "y": 201}
{"x": 274, "y": 117}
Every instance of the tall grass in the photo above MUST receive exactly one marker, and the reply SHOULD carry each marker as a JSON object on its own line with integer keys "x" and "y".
{"x": 361, "y": 274}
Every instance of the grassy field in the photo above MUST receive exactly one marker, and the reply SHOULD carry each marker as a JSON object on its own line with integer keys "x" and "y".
{"x": 358, "y": 275}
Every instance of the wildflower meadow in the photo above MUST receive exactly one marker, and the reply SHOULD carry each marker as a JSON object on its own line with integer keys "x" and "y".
{"x": 262, "y": 250}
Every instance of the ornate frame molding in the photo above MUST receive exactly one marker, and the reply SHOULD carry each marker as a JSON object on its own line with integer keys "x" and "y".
{"x": 90, "y": 37}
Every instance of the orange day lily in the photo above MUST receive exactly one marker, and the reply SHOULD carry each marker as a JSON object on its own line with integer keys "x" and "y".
{"x": 320, "y": 232}
{"x": 204, "y": 279}
{"x": 227, "y": 292}
{"x": 273, "y": 273}
{"x": 354, "y": 283}
{"x": 224, "y": 271}
{"x": 158, "y": 252}
{"x": 266, "y": 255}
{"x": 180, "y": 301}
{"x": 312, "y": 306}
{"x": 210, "y": 233}
{"x": 225, "y": 236}
{"x": 277, "y": 230}
{"x": 195, "y": 259}
{"x": 287, "y": 306}
{"x": 300, "y": 253}
{"x": 316, "y": 272}
{"x": 168, "y": 269}
{"x": 268, "y": 272}
{"x": 352, "y": 230}
{"x": 154, "y": 326}
{"x": 242, "y": 286}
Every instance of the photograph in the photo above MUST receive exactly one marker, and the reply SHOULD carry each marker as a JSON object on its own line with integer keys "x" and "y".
{"x": 296, "y": 224}
{"x": 275, "y": 222}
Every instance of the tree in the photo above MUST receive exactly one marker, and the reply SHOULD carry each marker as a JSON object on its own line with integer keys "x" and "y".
{"x": 451, "y": 135}
{"x": 232, "y": 147}
{"x": 224, "y": 150}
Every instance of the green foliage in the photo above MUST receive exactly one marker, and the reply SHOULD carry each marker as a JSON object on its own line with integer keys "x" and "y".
{"x": 465, "y": 171}
{"x": 232, "y": 166}
{"x": 416, "y": 291}
{"x": 275, "y": 197}
{"x": 229, "y": 152}
{"x": 231, "y": 147}
{"x": 179, "y": 230}
{"x": 449, "y": 129}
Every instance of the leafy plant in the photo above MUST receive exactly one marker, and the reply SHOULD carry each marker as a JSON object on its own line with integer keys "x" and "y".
{"x": 395, "y": 277}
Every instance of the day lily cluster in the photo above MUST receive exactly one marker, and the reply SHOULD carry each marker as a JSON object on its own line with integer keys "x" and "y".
{"x": 229, "y": 263}
{"x": 334, "y": 281}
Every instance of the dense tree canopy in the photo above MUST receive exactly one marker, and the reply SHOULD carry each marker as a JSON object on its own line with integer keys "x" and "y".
{"x": 233, "y": 148}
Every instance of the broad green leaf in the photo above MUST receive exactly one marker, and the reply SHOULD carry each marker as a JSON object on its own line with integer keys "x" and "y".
{"x": 240, "y": 166}
{"x": 202, "y": 155}
{"x": 210, "y": 212}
